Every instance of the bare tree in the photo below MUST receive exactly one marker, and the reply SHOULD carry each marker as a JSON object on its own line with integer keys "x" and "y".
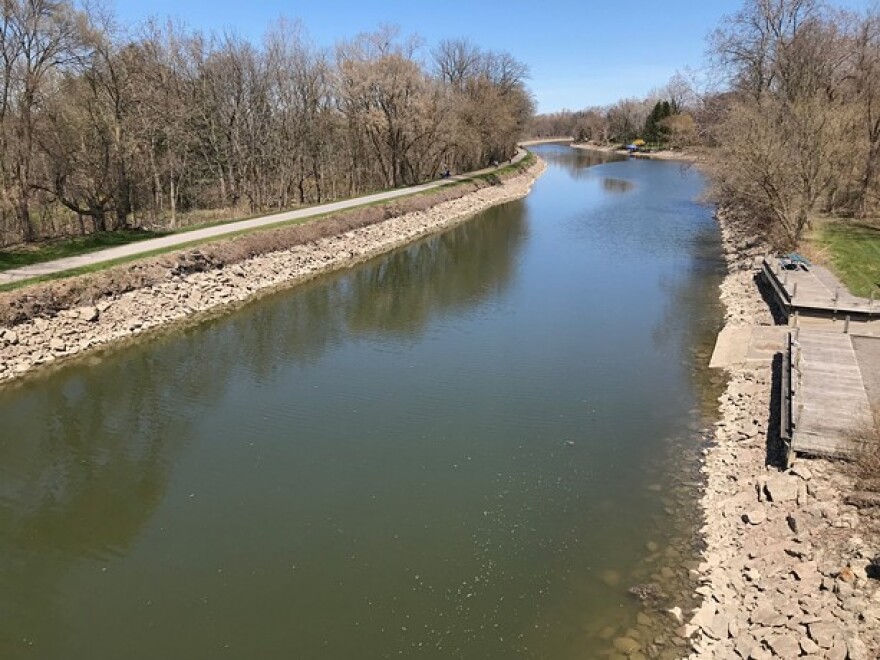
{"x": 40, "y": 37}
{"x": 102, "y": 129}
{"x": 780, "y": 143}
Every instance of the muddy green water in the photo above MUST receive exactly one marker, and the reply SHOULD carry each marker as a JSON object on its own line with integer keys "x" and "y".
{"x": 470, "y": 448}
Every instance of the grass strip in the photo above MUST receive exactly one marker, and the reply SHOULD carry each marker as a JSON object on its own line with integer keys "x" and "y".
{"x": 41, "y": 252}
{"x": 855, "y": 255}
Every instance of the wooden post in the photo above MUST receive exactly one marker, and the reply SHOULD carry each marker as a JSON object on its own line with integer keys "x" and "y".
{"x": 846, "y": 325}
{"x": 794, "y": 291}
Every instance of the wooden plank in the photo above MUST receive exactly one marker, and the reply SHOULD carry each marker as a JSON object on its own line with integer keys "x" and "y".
{"x": 829, "y": 394}
{"x": 815, "y": 291}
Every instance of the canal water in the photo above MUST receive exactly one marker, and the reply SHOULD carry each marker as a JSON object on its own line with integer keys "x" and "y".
{"x": 480, "y": 446}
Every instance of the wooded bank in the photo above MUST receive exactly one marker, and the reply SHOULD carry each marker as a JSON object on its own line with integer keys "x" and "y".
{"x": 156, "y": 126}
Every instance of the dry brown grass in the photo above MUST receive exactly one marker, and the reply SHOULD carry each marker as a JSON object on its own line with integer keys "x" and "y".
{"x": 47, "y": 299}
{"x": 867, "y": 465}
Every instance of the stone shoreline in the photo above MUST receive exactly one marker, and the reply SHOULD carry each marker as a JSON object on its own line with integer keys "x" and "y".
{"x": 785, "y": 570}
{"x": 183, "y": 297}
{"x": 684, "y": 156}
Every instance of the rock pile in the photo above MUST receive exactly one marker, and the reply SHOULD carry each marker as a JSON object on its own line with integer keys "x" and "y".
{"x": 202, "y": 288}
{"x": 787, "y": 568}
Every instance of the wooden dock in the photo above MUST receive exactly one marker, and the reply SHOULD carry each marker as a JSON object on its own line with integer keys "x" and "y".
{"x": 829, "y": 403}
{"x": 824, "y": 404}
{"x": 815, "y": 293}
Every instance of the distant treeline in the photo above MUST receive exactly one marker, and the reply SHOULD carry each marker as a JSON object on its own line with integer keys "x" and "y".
{"x": 665, "y": 117}
{"x": 104, "y": 128}
{"x": 792, "y": 117}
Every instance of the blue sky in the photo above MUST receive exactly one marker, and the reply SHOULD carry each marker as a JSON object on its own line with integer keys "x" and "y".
{"x": 579, "y": 53}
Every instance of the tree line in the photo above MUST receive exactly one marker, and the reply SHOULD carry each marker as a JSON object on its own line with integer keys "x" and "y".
{"x": 797, "y": 128}
{"x": 665, "y": 117}
{"x": 104, "y": 127}
{"x": 789, "y": 118}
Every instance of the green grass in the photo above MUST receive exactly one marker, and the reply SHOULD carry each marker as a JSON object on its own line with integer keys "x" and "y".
{"x": 855, "y": 255}
{"x": 80, "y": 245}
{"x": 36, "y": 253}
{"x": 82, "y": 270}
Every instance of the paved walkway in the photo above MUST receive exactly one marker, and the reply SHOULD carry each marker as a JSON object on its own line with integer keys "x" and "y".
{"x": 151, "y": 245}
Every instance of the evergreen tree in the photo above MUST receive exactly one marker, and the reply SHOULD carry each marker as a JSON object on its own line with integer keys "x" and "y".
{"x": 654, "y": 128}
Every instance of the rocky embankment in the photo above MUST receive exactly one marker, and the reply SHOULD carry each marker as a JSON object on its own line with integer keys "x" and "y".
{"x": 184, "y": 295}
{"x": 788, "y": 569}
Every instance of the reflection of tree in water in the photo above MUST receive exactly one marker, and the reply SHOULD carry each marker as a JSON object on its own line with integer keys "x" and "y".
{"x": 86, "y": 453}
{"x": 395, "y": 294}
{"x": 449, "y": 272}
{"x": 85, "y": 462}
{"x": 576, "y": 162}
{"x": 616, "y": 186}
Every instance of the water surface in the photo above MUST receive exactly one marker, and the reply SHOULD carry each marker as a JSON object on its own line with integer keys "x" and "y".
{"x": 471, "y": 447}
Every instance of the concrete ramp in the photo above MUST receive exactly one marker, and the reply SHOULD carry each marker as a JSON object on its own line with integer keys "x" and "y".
{"x": 746, "y": 345}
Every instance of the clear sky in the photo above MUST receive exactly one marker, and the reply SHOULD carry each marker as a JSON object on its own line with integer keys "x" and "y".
{"x": 580, "y": 53}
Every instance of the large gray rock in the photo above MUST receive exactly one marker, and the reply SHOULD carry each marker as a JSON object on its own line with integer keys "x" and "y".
{"x": 837, "y": 652}
{"x": 745, "y": 645}
{"x": 626, "y": 645}
{"x": 717, "y": 627}
{"x": 704, "y": 616}
{"x": 802, "y": 471}
{"x": 89, "y": 314}
{"x": 768, "y": 616}
{"x": 824, "y": 633}
{"x": 858, "y": 650}
{"x": 808, "y": 646}
{"x": 781, "y": 488}
{"x": 784, "y": 645}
